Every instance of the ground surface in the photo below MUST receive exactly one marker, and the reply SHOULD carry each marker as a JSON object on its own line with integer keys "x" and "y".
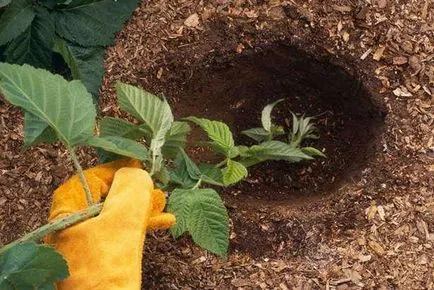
{"x": 362, "y": 218}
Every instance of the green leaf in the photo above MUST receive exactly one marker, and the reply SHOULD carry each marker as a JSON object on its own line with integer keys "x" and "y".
{"x": 31, "y": 266}
{"x": 52, "y": 3}
{"x": 179, "y": 204}
{"x": 176, "y": 139}
{"x": 266, "y": 115}
{"x": 85, "y": 63}
{"x": 202, "y": 213}
{"x": 65, "y": 106}
{"x": 93, "y": 22}
{"x": 243, "y": 149}
{"x": 218, "y": 132}
{"x": 36, "y": 130}
{"x": 117, "y": 127}
{"x": 4, "y": 3}
{"x": 302, "y": 128}
{"x": 305, "y": 126}
{"x": 47, "y": 287}
{"x": 146, "y": 107}
{"x": 208, "y": 222}
{"x": 159, "y": 136}
{"x": 105, "y": 156}
{"x": 277, "y": 130}
{"x": 34, "y": 45}
{"x": 119, "y": 145}
{"x": 211, "y": 174}
{"x": 190, "y": 166}
{"x": 163, "y": 176}
{"x": 234, "y": 172}
{"x": 154, "y": 112}
{"x": 272, "y": 150}
{"x": 295, "y": 124}
{"x": 312, "y": 152}
{"x": 234, "y": 152}
{"x": 257, "y": 134}
{"x": 181, "y": 177}
{"x": 186, "y": 173}
{"x": 15, "y": 20}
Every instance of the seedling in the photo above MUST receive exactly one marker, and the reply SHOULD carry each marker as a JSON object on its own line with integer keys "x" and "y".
{"x": 269, "y": 130}
{"x": 61, "y": 110}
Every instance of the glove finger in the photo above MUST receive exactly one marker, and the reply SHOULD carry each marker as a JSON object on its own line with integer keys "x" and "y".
{"x": 158, "y": 201}
{"x": 129, "y": 202}
{"x": 107, "y": 171}
{"x": 70, "y": 197}
{"x": 161, "y": 221}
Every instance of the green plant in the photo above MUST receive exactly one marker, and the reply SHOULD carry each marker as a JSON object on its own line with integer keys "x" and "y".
{"x": 269, "y": 130}
{"x": 61, "y": 110}
{"x": 31, "y": 266}
{"x": 32, "y": 31}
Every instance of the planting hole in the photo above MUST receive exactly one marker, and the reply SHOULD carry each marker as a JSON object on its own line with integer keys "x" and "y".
{"x": 235, "y": 88}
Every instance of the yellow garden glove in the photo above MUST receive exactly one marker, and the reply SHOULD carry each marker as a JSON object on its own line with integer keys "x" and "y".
{"x": 105, "y": 252}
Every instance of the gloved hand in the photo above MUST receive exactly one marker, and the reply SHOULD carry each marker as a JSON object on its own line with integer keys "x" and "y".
{"x": 105, "y": 252}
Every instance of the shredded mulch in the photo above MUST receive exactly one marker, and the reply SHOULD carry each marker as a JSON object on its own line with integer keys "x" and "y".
{"x": 373, "y": 229}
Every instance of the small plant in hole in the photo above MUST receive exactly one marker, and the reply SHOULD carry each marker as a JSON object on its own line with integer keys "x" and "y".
{"x": 61, "y": 110}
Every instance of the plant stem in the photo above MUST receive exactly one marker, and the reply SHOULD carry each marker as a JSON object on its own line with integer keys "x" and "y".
{"x": 56, "y": 225}
{"x": 154, "y": 159}
{"x": 80, "y": 172}
{"x": 297, "y": 142}
{"x": 222, "y": 163}
{"x": 199, "y": 182}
